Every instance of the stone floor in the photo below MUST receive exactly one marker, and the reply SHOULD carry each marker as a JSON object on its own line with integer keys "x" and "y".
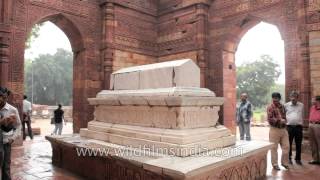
{"x": 33, "y": 160}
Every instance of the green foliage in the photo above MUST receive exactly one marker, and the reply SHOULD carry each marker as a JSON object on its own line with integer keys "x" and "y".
{"x": 257, "y": 79}
{"x": 52, "y": 78}
{"x": 33, "y": 35}
{"x": 277, "y": 88}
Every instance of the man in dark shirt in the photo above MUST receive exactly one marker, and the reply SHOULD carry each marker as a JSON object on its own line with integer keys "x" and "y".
{"x": 278, "y": 133}
{"x": 58, "y": 119}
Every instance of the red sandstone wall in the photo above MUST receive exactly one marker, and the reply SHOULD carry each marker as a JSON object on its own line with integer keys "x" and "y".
{"x": 79, "y": 20}
{"x": 126, "y": 59}
{"x": 312, "y": 52}
{"x": 110, "y": 34}
{"x": 182, "y": 32}
{"x": 129, "y": 34}
{"x": 219, "y": 30}
{"x": 229, "y": 20}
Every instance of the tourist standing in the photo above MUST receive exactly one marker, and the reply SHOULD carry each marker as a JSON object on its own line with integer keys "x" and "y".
{"x": 294, "y": 116}
{"x": 244, "y": 115}
{"x": 58, "y": 120}
{"x": 6, "y": 125}
{"x": 278, "y": 133}
{"x": 27, "y": 111}
{"x": 10, "y": 113}
{"x": 314, "y": 131}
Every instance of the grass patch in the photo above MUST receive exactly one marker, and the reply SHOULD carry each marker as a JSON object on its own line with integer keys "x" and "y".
{"x": 259, "y": 115}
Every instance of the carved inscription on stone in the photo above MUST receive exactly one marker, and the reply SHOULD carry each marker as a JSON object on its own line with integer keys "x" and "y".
{"x": 313, "y": 5}
{"x": 244, "y": 6}
{"x": 70, "y": 7}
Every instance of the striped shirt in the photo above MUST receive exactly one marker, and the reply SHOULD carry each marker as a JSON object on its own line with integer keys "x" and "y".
{"x": 275, "y": 114}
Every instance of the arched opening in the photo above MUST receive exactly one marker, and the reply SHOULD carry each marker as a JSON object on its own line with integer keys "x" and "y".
{"x": 52, "y": 71}
{"x": 260, "y": 70}
{"x": 229, "y": 76}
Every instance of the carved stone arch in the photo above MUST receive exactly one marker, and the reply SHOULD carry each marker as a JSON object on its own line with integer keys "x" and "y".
{"x": 67, "y": 26}
{"x": 78, "y": 20}
{"x": 234, "y": 37}
{"x": 229, "y": 48}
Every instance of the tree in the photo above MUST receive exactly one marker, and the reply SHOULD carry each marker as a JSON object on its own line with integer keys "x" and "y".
{"x": 257, "y": 79}
{"x": 277, "y": 88}
{"x": 52, "y": 78}
{"x": 33, "y": 35}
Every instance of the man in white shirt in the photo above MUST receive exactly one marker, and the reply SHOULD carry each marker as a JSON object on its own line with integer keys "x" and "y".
{"x": 295, "y": 114}
{"x": 7, "y": 111}
{"x": 27, "y": 110}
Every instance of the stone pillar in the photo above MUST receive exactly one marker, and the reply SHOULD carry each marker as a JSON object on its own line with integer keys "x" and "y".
{"x": 304, "y": 63}
{"x": 107, "y": 50}
{"x": 4, "y": 60}
{"x": 297, "y": 47}
{"x": 5, "y": 11}
{"x": 5, "y": 32}
{"x": 202, "y": 40}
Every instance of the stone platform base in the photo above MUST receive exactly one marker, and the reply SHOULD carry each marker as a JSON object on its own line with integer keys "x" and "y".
{"x": 178, "y": 142}
{"x": 245, "y": 160}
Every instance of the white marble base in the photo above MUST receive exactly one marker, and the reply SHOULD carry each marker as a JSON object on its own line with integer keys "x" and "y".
{"x": 183, "y": 142}
{"x": 170, "y": 108}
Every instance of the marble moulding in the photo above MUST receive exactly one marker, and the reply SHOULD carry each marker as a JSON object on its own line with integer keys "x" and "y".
{"x": 160, "y": 106}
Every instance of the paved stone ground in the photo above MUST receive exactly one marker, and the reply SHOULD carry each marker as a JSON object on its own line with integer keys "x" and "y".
{"x": 33, "y": 160}
{"x": 296, "y": 172}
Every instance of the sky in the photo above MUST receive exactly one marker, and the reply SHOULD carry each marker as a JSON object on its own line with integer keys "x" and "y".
{"x": 50, "y": 39}
{"x": 262, "y": 39}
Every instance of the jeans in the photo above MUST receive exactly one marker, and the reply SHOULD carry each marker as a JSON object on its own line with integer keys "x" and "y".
{"x": 244, "y": 128}
{"x": 295, "y": 133}
{"x": 6, "y": 162}
{"x": 58, "y": 128}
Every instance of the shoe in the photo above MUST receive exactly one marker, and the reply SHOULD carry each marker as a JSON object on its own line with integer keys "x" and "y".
{"x": 285, "y": 166}
{"x": 290, "y": 161}
{"x": 276, "y": 167}
{"x": 314, "y": 162}
{"x": 299, "y": 162}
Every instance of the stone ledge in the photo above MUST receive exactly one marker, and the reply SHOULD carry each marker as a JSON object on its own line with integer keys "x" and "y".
{"x": 157, "y": 101}
{"x": 250, "y": 164}
{"x": 172, "y": 91}
{"x": 175, "y": 96}
{"x": 174, "y": 142}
